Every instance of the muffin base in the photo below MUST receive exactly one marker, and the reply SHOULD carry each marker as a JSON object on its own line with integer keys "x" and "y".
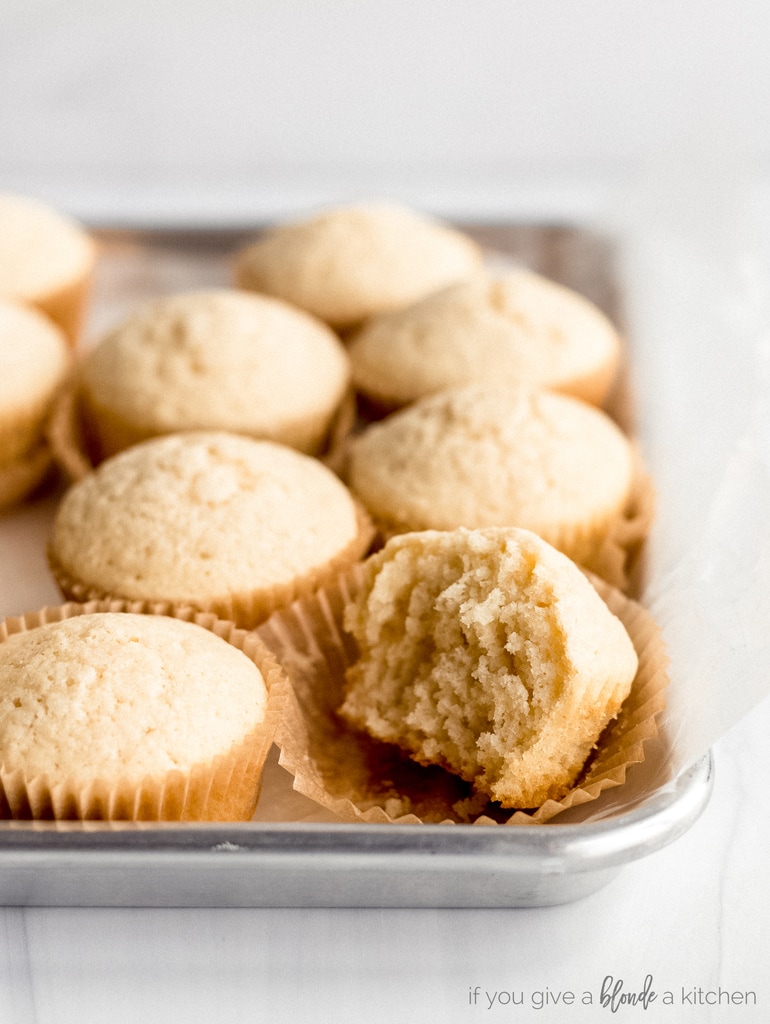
{"x": 77, "y": 447}
{"x": 225, "y": 789}
{"x": 245, "y": 610}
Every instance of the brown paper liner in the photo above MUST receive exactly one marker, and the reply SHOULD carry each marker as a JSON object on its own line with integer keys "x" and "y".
{"x": 225, "y": 789}
{"x": 77, "y": 449}
{"x": 611, "y": 548}
{"x": 246, "y": 610}
{"x": 68, "y": 304}
{"x": 73, "y": 451}
{"x": 361, "y": 779}
{"x": 20, "y": 478}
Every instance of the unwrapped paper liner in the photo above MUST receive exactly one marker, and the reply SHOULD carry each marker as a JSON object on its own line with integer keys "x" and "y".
{"x": 224, "y": 789}
{"x": 361, "y": 779}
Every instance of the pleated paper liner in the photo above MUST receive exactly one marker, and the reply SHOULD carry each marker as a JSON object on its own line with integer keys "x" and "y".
{"x": 225, "y": 789}
{"x": 246, "y": 610}
{"x": 21, "y": 478}
{"x": 361, "y": 779}
{"x": 77, "y": 451}
{"x": 614, "y": 554}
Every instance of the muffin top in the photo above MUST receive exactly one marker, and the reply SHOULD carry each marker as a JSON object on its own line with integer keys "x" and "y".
{"x": 350, "y": 262}
{"x": 41, "y": 250}
{"x": 115, "y": 694}
{"x": 481, "y": 456}
{"x": 202, "y": 516}
{"x": 33, "y": 355}
{"x": 510, "y": 328}
{"x": 220, "y": 360}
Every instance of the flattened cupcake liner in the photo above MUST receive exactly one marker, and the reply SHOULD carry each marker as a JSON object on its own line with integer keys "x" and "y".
{"x": 226, "y": 789}
{"x": 361, "y": 779}
{"x": 245, "y": 610}
{"x": 77, "y": 450}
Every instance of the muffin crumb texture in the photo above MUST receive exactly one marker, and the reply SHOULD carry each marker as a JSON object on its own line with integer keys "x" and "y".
{"x": 489, "y": 653}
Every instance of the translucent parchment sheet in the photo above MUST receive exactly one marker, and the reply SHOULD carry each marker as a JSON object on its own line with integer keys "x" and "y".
{"x": 694, "y": 276}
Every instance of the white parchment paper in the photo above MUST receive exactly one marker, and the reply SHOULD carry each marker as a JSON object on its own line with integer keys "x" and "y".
{"x": 695, "y": 277}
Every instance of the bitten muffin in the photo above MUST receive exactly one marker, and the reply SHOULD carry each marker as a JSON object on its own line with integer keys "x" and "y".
{"x": 351, "y": 262}
{"x": 483, "y": 456}
{"x": 511, "y": 328}
{"x": 46, "y": 260}
{"x": 490, "y": 654}
{"x": 215, "y": 360}
{"x": 35, "y": 358}
{"x": 216, "y": 521}
{"x": 128, "y": 716}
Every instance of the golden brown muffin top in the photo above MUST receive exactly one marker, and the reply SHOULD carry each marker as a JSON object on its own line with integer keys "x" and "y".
{"x": 116, "y": 695}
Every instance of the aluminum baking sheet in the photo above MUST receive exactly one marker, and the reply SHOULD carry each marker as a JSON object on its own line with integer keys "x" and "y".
{"x": 293, "y": 853}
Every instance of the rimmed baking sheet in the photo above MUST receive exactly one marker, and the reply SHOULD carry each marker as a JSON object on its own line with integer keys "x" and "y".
{"x": 308, "y": 864}
{"x": 293, "y": 853}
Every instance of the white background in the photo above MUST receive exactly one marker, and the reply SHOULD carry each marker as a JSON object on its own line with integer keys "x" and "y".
{"x": 207, "y": 112}
{"x": 225, "y": 109}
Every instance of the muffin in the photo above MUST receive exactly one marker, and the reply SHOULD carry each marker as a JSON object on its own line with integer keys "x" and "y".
{"x": 214, "y": 360}
{"x": 510, "y": 328}
{"x": 489, "y": 654}
{"x": 483, "y": 456}
{"x": 216, "y": 521}
{"x": 35, "y": 359}
{"x": 120, "y": 715}
{"x": 352, "y": 262}
{"x": 46, "y": 260}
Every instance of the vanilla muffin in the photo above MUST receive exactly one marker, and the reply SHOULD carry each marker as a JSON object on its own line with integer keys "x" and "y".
{"x": 490, "y": 654}
{"x": 120, "y": 715}
{"x": 215, "y": 360}
{"x": 216, "y": 521}
{"x": 46, "y": 260}
{"x": 510, "y": 328}
{"x": 351, "y": 262}
{"x": 35, "y": 358}
{"x": 483, "y": 456}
